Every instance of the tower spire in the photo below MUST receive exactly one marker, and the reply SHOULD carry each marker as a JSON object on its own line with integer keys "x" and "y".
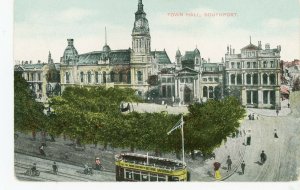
{"x": 250, "y": 40}
{"x": 105, "y": 37}
{"x": 140, "y": 6}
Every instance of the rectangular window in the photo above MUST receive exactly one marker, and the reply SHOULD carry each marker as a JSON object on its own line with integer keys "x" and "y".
{"x": 153, "y": 177}
{"x": 254, "y": 65}
{"x": 238, "y": 65}
{"x": 145, "y": 176}
{"x": 248, "y": 65}
{"x": 265, "y": 98}
{"x": 137, "y": 176}
{"x": 265, "y": 64}
{"x": 216, "y": 79}
{"x": 169, "y": 80}
{"x": 248, "y": 97}
{"x": 163, "y": 79}
{"x": 161, "y": 178}
{"x": 204, "y": 79}
{"x": 128, "y": 174}
{"x": 232, "y": 65}
{"x": 39, "y": 76}
{"x": 272, "y": 64}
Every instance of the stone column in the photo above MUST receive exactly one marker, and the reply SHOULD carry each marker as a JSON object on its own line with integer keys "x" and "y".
{"x": 176, "y": 88}
{"x": 260, "y": 98}
{"x": 269, "y": 96}
{"x": 235, "y": 79}
{"x": 244, "y": 96}
{"x": 251, "y": 96}
{"x": 194, "y": 82}
{"x": 277, "y": 97}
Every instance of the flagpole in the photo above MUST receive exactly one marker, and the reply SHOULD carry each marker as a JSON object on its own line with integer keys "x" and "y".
{"x": 182, "y": 139}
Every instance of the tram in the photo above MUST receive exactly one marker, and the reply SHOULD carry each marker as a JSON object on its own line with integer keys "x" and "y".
{"x": 139, "y": 167}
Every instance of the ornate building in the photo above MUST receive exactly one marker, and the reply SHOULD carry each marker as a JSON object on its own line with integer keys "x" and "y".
{"x": 256, "y": 73}
{"x": 122, "y": 68}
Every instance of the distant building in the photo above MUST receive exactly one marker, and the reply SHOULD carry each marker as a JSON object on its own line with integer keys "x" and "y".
{"x": 43, "y": 78}
{"x": 256, "y": 73}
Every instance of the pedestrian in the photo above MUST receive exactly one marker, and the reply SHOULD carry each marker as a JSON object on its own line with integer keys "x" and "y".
{"x": 288, "y": 105}
{"x": 55, "y": 168}
{"x": 263, "y": 157}
{"x": 42, "y": 152}
{"x": 243, "y": 167}
{"x": 98, "y": 164}
{"x": 277, "y": 111}
{"x": 252, "y": 116}
{"x": 257, "y": 117}
{"x": 249, "y": 116}
{"x": 228, "y": 162}
{"x": 166, "y": 105}
{"x": 275, "y": 133}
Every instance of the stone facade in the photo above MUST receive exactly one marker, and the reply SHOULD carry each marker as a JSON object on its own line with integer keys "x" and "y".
{"x": 256, "y": 73}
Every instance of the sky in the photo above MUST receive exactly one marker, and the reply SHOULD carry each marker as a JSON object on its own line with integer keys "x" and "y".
{"x": 41, "y": 26}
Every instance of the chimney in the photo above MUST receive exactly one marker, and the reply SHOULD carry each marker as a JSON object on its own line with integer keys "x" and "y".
{"x": 259, "y": 44}
{"x": 222, "y": 59}
{"x": 70, "y": 42}
{"x": 208, "y": 60}
{"x": 30, "y": 61}
{"x": 233, "y": 51}
{"x": 230, "y": 50}
{"x": 267, "y": 46}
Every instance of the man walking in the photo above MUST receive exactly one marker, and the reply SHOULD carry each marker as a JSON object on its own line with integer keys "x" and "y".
{"x": 55, "y": 168}
{"x": 228, "y": 162}
{"x": 243, "y": 167}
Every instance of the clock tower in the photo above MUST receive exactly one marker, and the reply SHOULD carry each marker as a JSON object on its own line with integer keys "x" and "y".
{"x": 141, "y": 48}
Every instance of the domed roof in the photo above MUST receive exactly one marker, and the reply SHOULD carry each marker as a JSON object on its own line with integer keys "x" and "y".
{"x": 70, "y": 53}
{"x": 178, "y": 53}
{"x": 196, "y": 51}
{"x": 106, "y": 48}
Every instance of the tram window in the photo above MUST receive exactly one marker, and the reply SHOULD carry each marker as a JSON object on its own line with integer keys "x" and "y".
{"x": 137, "y": 176}
{"x": 145, "y": 177}
{"x": 128, "y": 174}
{"x": 161, "y": 178}
{"x": 175, "y": 179}
{"x": 153, "y": 177}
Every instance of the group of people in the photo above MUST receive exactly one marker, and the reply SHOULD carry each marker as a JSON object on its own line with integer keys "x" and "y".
{"x": 54, "y": 168}
{"x": 252, "y": 117}
{"x": 263, "y": 158}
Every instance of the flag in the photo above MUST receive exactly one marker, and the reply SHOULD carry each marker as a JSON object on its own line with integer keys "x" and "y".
{"x": 179, "y": 124}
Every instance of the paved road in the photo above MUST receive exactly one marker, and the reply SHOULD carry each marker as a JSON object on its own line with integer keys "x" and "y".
{"x": 66, "y": 172}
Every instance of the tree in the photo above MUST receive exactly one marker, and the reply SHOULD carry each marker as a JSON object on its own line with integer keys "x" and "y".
{"x": 28, "y": 114}
{"x": 208, "y": 124}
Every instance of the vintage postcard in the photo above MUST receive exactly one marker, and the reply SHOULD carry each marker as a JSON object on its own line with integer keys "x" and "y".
{"x": 156, "y": 91}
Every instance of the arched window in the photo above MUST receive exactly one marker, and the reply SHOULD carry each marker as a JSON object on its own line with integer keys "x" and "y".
{"x": 96, "y": 77}
{"x": 272, "y": 79}
{"x": 265, "y": 78}
{"x": 139, "y": 76}
{"x": 255, "y": 78}
{"x": 239, "y": 79}
{"x": 89, "y": 77}
{"x": 232, "y": 79}
{"x": 81, "y": 77}
{"x": 205, "y": 91}
{"x": 104, "y": 77}
{"x": 211, "y": 92}
{"x": 112, "y": 76}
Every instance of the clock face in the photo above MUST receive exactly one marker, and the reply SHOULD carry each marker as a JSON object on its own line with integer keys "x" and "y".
{"x": 139, "y": 23}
